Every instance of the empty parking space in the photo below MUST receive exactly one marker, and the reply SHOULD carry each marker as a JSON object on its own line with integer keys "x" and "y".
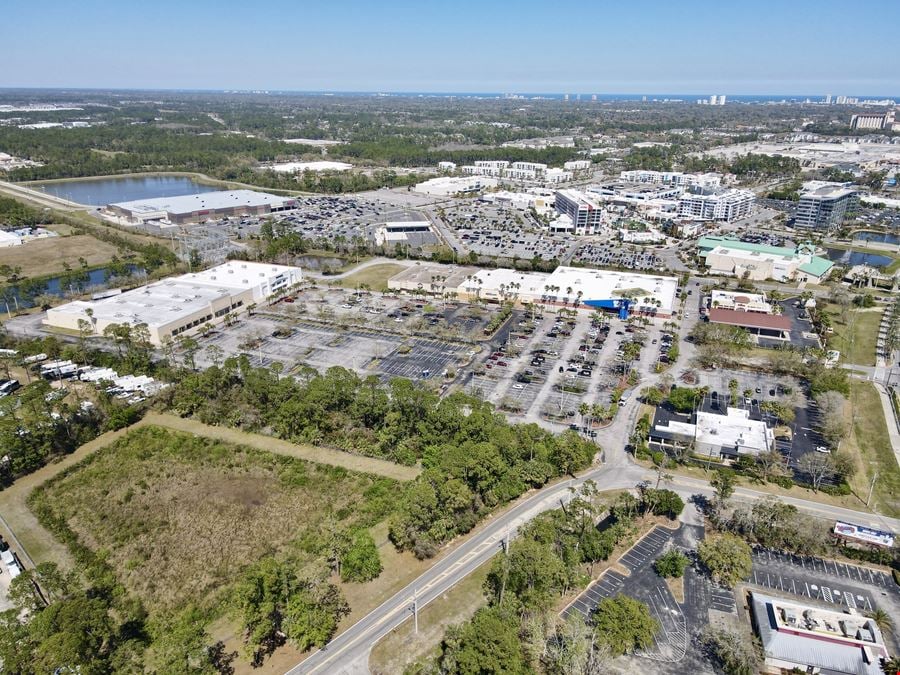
{"x": 811, "y": 564}
{"x": 606, "y": 586}
{"x": 722, "y": 599}
{"x": 824, "y": 590}
{"x": 647, "y": 549}
{"x": 671, "y": 640}
{"x": 424, "y": 360}
{"x": 834, "y": 582}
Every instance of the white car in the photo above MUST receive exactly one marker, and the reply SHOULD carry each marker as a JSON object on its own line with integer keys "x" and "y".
{"x": 518, "y": 386}
{"x": 823, "y": 449}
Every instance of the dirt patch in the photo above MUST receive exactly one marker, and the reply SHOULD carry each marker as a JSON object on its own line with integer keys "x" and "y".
{"x": 677, "y": 588}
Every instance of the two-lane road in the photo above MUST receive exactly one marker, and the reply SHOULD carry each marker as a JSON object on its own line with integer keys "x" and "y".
{"x": 353, "y": 645}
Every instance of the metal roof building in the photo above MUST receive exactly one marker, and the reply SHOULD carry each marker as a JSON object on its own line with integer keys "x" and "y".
{"x": 804, "y": 637}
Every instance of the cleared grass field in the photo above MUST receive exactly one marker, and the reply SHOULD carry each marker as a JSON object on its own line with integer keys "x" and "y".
{"x": 870, "y": 446}
{"x": 856, "y": 339}
{"x": 180, "y": 516}
{"x": 48, "y": 256}
{"x": 375, "y": 276}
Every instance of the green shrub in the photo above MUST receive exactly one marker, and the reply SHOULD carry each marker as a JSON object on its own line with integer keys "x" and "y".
{"x": 671, "y": 564}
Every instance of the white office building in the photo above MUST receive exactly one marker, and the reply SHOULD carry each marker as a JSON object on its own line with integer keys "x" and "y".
{"x": 577, "y": 165}
{"x": 719, "y": 436}
{"x": 825, "y": 205}
{"x": 586, "y": 213}
{"x": 683, "y": 180}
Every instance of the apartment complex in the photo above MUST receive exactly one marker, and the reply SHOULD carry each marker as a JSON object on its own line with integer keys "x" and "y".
{"x": 872, "y": 121}
{"x": 518, "y": 171}
{"x": 723, "y": 205}
{"x": 825, "y": 205}
{"x": 684, "y": 180}
{"x": 585, "y": 212}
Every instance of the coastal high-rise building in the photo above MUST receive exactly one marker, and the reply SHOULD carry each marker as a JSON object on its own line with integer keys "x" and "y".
{"x": 873, "y": 121}
{"x": 828, "y": 100}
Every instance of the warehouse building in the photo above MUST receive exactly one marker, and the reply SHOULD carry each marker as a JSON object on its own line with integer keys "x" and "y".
{"x": 179, "y": 305}
{"x": 201, "y": 207}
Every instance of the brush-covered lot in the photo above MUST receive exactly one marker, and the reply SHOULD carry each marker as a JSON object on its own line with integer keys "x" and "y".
{"x": 179, "y": 517}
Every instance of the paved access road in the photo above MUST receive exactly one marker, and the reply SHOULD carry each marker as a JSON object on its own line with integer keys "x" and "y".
{"x": 353, "y": 645}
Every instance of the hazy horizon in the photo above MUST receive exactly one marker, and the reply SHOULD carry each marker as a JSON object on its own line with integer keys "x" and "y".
{"x": 764, "y": 48}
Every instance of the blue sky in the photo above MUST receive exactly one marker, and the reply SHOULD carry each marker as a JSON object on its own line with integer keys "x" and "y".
{"x": 599, "y": 46}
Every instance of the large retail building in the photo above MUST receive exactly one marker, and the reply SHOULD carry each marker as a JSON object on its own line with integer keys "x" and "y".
{"x": 178, "y": 305}
{"x": 201, "y": 207}
{"x": 622, "y": 292}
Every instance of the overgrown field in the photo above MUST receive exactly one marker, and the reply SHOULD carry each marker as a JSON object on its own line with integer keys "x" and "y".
{"x": 178, "y": 517}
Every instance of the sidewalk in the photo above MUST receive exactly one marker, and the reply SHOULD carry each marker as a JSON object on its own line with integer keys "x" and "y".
{"x": 890, "y": 419}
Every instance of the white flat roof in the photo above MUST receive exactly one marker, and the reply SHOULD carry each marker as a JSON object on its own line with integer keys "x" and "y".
{"x": 292, "y": 167}
{"x": 607, "y": 285}
{"x": 156, "y": 304}
{"x": 529, "y": 284}
{"x": 203, "y": 201}
{"x": 162, "y": 302}
{"x": 734, "y": 429}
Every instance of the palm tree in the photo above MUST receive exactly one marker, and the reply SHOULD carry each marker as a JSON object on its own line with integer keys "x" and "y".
{"x": 883, "y": 620}
{"x": 584, "y": 409}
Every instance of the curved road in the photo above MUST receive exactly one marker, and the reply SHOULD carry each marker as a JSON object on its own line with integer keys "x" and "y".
{"x": 348, "y": 652}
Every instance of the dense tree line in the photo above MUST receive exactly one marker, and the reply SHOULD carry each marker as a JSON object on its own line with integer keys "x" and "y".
{"x": 123, "y": 148}
{"x": 474, "y": 460}
{"x": 14, "y": 213}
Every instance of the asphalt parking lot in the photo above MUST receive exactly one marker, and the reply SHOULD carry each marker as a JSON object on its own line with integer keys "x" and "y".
{"x": 853, "y": 586}
{"x": 425, "y": 360}
{"x": 494, "y": 230}
{"x": 617, "y": 254}
{"x": 673, "y": 638}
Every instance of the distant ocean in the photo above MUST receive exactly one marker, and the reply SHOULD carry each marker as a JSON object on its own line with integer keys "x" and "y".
{"x": 575, "y": 96}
